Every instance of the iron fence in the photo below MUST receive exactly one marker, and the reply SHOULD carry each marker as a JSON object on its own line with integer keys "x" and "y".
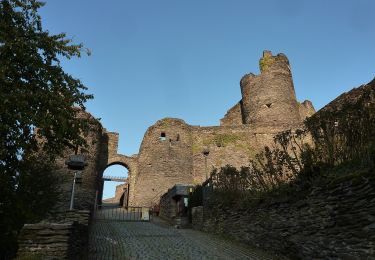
{"x": 117, "y": 213}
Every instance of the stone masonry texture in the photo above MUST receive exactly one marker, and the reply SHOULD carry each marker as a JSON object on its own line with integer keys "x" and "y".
{"x": 65, "y": 238}
{"x": 334, "y": 221}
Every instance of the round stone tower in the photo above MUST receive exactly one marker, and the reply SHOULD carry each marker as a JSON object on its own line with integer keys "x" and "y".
{"x": 269, "y": 98}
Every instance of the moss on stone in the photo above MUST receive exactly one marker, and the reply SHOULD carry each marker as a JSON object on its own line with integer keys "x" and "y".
{"x": 31, "y": 256}
{"x": 207, "y": 142}
{"x": 265, "y": 63}
{"x": 196, "y": 148}
{"x": 165, "y": 122}
{"x": 248, "y": 149}
{"x": 222, "y": 140}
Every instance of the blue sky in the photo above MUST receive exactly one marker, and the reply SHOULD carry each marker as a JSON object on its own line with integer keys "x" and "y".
{"x": 170, "y": 58}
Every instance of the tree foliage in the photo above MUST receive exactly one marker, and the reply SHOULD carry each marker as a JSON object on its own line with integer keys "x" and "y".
{"x": 346, "y": 131}
{"x": 36, "y": 93}
{"x": 39, "y": 103}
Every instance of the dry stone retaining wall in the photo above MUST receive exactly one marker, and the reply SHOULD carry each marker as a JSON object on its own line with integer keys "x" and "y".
{"x": 64, "y": 239}
{"x": 336, "y": 220}
{"x": 197, "y": 217}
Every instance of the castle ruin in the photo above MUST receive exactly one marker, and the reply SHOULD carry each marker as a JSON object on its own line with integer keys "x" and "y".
{"x": 174, "y": 152}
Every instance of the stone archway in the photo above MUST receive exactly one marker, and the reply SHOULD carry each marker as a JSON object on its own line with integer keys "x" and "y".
{"x": 114, "y": 158}
{"x": 115, "y": 185}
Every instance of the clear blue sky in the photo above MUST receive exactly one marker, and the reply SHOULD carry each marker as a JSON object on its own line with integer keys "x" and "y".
{"x": 173, "y": 58}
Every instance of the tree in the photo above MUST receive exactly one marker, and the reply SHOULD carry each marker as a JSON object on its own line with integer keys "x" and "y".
{"x": 38, "y": 100}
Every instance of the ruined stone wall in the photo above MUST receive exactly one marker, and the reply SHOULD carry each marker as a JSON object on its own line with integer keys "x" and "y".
{"x": 85, "y": 192}
{"x": 233, "y": 116}
{"x": 167, "y": 208}
{"x": 119, "y": 192}
{"x": 178, "y": 157}
{"x": 113, "y": 157}
{"x": 234, "y": 145}
{"x": 306, "y": 109}
{"x": 269, "y": 98}
{"x": 65, "y": 239}
{"x": 334, "y": 221}
{"x": 165, "y": 158}
{"x": 172, "y": 151}
{"x": 197, "y": 217}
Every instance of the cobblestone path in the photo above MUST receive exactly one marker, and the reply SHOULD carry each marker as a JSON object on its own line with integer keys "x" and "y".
{"x": 150, "y": 240}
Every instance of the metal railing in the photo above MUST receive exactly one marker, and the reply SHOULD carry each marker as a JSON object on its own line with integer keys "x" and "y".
{"x": 115, "y": 178}
{"x": 116, "y": 213}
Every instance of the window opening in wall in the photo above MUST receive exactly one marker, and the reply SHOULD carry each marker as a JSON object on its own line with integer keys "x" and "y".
{"x": 178, "y": 137}
{"x": 269, "y": 105}
{"x": 162, "y": 136}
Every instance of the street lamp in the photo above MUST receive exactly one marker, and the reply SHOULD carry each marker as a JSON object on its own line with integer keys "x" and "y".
{"x": 75, "y": 162}
{"x": 205, "y": 152}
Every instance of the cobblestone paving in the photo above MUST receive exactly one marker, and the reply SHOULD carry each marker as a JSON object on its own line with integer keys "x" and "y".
{"x": 153, "y": 240}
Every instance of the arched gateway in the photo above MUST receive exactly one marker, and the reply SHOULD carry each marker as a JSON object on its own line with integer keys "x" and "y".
{"x": 109, "y": 153}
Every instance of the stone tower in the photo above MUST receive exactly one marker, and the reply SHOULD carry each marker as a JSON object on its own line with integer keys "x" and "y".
{"x": 269, "y": 98}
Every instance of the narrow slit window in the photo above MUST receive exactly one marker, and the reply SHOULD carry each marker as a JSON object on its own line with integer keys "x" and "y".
{"x": 162, "y": 136}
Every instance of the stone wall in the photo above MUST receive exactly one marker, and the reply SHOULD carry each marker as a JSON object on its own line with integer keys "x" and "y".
{"x": 167, "y": 208}
{"x": 234, "y": 145}
{"x": 177, "y": 156}
{"x": 110, "y": 145}
{"x": 95, "y": 157}
{"x": 165, "y": 158}
{"x": 197, "y": 217}
{"x": 336, "y": 220}
{"x": 119, "y": 194}
{"x": 63, "y": 228}
{"x": 64, "y": 239}
{"x": 233, "y": 116}
{"x": 306, "y": 109}
{"x": 269, "y": 98}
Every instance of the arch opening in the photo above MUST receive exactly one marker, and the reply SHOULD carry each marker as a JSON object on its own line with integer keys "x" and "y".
{"x": 115, "y": 185}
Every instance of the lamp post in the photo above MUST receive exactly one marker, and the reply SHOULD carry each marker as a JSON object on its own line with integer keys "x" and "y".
{"x": 205, "y": 152}
{"x": 75, "y": 162}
